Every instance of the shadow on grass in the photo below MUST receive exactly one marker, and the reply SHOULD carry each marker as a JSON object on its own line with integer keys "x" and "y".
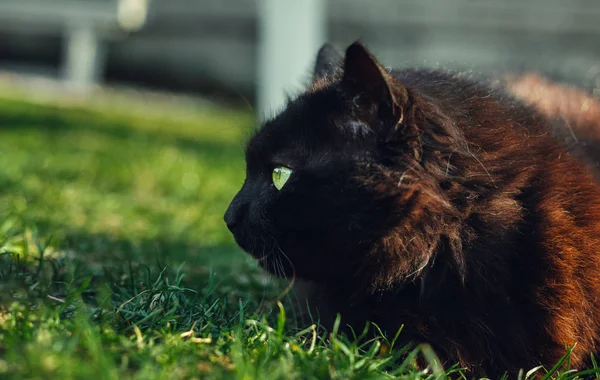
{"x": 57, "y": 120}
{"x": 98, "y": 250}
{"x": 128, "y": 265}
{"x": 101, "y": 248}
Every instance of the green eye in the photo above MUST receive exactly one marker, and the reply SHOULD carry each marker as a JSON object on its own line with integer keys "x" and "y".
{"x": 280, "y": 176}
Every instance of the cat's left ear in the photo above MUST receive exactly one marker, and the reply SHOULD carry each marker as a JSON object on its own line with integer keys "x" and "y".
{"x": 329, "y": 60}
{"x": 374, "y": 86}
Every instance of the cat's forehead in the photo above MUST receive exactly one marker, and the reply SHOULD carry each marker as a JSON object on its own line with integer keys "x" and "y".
{"x": 317, "y": 123}
{"x": 315, "y": 116}
{"x": 307, "y": 119}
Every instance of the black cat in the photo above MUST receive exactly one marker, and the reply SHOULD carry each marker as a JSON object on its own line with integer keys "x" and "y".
{"x": 431, "y": 200}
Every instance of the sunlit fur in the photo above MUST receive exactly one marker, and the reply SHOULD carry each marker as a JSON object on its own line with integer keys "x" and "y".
{"x": 431, "y": 200}
{"x": 578, "y": 111}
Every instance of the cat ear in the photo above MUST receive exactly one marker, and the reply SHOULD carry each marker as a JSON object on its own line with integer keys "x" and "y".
{"x": 329, "y": 60}
{"x": 373, "y": 84}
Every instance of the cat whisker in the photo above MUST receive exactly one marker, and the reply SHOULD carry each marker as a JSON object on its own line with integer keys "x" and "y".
{"x": 292, "y": 279}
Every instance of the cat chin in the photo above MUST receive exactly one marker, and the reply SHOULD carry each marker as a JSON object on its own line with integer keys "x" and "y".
{"x": 315, "y": 302}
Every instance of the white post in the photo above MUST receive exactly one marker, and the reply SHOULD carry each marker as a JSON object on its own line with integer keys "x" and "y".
{"x": 84, "y": 56}
{"x": 290, "y": 34}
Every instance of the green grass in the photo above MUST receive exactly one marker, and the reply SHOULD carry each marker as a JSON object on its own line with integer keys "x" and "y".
{"x": 115, "y": 262}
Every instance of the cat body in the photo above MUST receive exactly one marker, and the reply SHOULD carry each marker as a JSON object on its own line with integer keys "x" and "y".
{"x": 434, "y": 201}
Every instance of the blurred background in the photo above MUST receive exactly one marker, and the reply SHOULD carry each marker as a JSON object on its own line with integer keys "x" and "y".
{"x": 256, "y": 50}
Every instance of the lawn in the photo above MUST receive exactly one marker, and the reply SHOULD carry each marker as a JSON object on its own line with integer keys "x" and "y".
{"x": 115, "y": 262}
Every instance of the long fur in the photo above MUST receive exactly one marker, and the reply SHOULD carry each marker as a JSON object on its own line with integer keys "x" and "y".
{"x": 435, "y": 201}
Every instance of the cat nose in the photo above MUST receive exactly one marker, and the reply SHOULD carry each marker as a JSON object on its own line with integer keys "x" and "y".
{"x": 231, "y": 225}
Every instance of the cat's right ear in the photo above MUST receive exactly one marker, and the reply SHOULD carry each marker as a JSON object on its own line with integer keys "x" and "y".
{"x": 329, "y": 60}
{"x": 373, "y": 86}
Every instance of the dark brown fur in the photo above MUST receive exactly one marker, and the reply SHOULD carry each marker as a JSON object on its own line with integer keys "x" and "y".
{"x": 479, "y": 230}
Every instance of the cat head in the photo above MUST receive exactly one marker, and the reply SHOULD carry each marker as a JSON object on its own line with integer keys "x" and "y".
{"x": 347, "y": 182}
